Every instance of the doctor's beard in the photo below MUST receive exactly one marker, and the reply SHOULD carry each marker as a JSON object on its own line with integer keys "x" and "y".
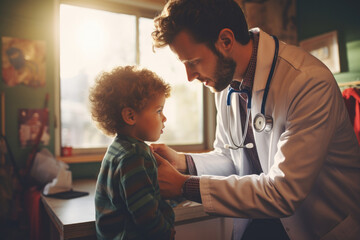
{"x": 224, "y": 71}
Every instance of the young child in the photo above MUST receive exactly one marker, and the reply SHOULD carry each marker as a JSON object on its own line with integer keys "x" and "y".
{"x": 128, "y": 102}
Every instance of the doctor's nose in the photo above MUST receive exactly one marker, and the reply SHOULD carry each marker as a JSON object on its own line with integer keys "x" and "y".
{"x": 191, "y": 75}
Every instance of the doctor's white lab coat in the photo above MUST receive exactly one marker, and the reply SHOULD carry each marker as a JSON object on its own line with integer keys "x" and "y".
{"x": 310, "y": 159}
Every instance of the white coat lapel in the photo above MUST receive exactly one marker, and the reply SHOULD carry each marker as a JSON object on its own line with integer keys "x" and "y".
{"x": 265, "y": 55}
{"x": 235, "y": 119}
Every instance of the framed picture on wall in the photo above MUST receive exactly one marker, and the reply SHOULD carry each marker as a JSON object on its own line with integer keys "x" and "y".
{"x": 23, "y": 62}
{"x": 30, "y": 121}
{"x": 325, "y": 47}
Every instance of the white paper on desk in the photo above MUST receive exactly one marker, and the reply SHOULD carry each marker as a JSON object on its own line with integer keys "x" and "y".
{"x": 46, "y": 167}
{"x": 62, "y": 183}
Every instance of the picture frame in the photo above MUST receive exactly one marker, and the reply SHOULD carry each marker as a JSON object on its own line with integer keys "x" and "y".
{"x": 325, "y": 47}
{"x": 30, "y": 121}
{"x": 23, "y": 62}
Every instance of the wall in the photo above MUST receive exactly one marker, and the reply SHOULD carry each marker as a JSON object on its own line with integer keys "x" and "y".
{"x": 322, "y": 16}
{"x": 33, "y": 20}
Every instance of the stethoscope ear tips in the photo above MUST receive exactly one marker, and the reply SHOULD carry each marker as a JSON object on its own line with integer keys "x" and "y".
{"x": 249, "y": 145}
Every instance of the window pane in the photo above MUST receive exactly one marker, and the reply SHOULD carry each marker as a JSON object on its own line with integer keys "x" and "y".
{"x": 91, "y": 41}
{"x": 184, "y": 109}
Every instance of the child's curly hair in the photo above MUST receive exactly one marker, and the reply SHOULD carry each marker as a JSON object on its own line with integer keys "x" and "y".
{"x": 123, "y": 87}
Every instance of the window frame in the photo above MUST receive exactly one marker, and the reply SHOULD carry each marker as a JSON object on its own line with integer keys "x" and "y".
{"x": 139, "y": 10}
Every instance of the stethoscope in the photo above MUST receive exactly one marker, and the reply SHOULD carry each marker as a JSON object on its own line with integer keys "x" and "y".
{"x": 261, "y": 121}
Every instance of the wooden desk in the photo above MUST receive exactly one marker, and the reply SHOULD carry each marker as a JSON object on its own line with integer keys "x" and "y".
{"x": 75, "y": 218}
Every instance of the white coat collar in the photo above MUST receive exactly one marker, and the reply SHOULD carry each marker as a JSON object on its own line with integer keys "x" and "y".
{"x": 265, "y": 56}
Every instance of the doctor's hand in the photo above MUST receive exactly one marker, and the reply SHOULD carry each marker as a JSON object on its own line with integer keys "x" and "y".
{"x": 176, "y": 159}
{"x": 170, "y": 180}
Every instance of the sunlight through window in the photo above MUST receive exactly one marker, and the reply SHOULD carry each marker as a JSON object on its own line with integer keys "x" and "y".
{"x": 92, "y": 41}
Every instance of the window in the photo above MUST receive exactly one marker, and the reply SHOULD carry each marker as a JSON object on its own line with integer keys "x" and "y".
{"x": 94, "y": 40}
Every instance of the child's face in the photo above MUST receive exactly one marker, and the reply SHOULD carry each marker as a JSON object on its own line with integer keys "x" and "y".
{"x": 150, "y": 121}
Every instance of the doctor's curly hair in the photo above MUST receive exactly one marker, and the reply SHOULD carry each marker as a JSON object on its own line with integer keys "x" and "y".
{"x": 123, "y": 87}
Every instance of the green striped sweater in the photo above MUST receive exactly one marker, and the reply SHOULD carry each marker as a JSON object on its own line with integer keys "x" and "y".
{"x": 127, "y": 200}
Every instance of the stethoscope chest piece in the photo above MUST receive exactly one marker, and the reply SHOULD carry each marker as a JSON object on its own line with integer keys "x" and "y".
{"x": 262, "y": 123}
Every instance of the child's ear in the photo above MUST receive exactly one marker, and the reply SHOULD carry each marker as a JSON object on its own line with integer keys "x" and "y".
{"x": 129, "y": 115}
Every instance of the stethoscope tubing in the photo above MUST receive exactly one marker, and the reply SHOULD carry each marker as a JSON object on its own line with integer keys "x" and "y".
{"x": 267, "y": 87}
{"x": 231, "y": 91}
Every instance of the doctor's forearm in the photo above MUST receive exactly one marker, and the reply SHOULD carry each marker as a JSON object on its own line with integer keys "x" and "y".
{"x": 180, "y": 164}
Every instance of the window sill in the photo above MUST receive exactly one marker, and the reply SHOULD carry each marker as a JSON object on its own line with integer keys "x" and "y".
{"x": 82, "y": 158}
{"x": 97, "y": 157}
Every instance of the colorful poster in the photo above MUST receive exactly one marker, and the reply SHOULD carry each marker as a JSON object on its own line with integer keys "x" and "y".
{"x": 23, "y": 62}
{"x": 30, "y": 122}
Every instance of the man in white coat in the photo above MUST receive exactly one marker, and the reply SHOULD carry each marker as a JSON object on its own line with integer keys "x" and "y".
{"x": 301, "y": 179}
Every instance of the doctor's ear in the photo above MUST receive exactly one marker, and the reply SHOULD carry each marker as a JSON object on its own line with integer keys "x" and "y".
{"x": 225, "y": 40}
{"x": 129, "y": 115}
